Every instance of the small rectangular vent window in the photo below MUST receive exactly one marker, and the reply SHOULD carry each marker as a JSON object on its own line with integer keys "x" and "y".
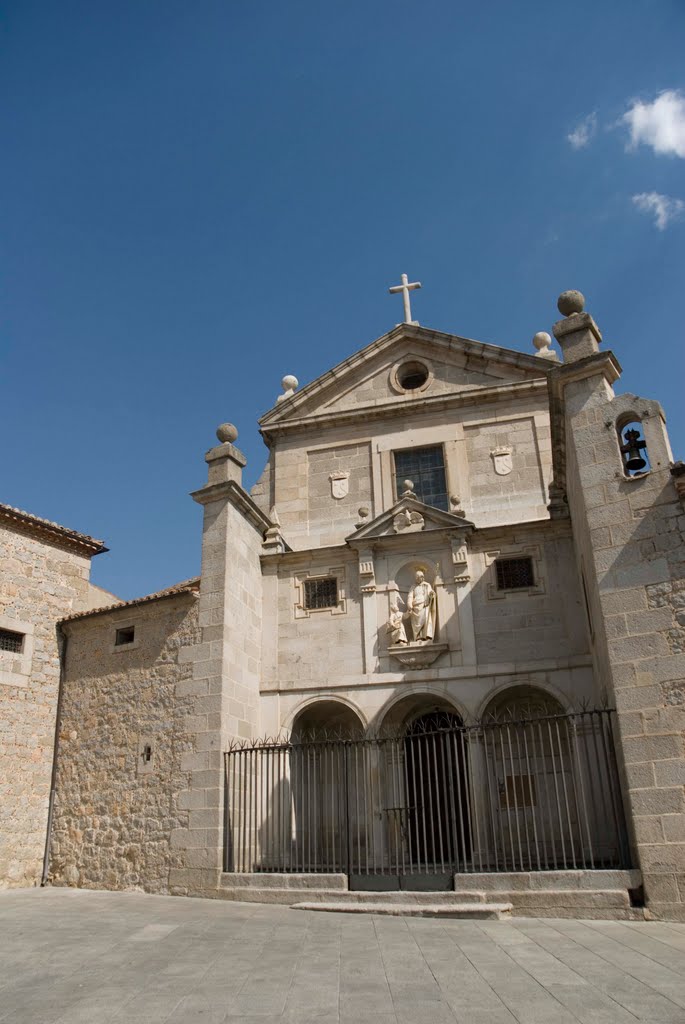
{"x": 10, "y": 641}
{"x": 125, "y": 636}
{"x": 322, "y": 593}
{"x": 514, "y": 573}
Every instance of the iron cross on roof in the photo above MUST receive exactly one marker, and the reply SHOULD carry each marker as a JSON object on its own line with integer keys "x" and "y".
{"x": 405, "y": 288}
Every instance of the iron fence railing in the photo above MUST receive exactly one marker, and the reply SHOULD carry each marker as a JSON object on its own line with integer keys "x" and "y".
{"x": 534, "y": 794}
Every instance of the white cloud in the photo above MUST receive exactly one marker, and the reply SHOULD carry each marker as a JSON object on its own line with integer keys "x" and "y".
{"x": 584, "y": 131}
{"x": 660, "y": 124}
{"x": 664, "y": 208}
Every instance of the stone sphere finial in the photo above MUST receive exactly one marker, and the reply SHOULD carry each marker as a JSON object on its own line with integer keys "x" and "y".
{"x": 408, "y": 489}
{"x": 543, "y": 344}
{"x": 227, "y": 433}
{"x": 289, "y": 385}
{"x": 571, "y": 302}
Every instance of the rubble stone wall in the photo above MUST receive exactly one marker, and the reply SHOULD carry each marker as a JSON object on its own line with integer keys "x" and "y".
{"x": 127, "y": 724}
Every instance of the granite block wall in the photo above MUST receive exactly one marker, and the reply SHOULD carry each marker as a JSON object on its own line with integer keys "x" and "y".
{"x": 40, "y": 582}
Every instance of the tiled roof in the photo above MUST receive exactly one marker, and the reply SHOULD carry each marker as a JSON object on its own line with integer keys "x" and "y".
{"x": 81, "y": 541}
{"x": 190, "y": 586}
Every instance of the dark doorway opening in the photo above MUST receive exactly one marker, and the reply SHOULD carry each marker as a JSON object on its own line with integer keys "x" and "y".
{"x": 439, "y": 833}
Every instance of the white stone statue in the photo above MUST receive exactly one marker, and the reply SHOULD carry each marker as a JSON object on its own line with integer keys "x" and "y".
{"x": 395, "y": 627}
{"x": 421, "y": 605}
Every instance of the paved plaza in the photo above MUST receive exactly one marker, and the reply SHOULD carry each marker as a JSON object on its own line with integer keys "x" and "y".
{"x": 78, "y": 957}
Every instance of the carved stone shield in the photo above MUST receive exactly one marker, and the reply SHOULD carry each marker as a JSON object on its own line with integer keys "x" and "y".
{"x": 408, "y": 522}
{"x": 340, "y": 484}
{"x": 502, "y": 461}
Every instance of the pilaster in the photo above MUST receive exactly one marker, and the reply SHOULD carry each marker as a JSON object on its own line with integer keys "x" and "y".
{"x": 226, "y": 663}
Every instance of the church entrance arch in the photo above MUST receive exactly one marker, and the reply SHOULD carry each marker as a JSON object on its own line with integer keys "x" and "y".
{"x": 328, "y": 811}
{"x": 527, "y": 787}
{"x": 436, "y": 781}
{"x": 418, "y": 790}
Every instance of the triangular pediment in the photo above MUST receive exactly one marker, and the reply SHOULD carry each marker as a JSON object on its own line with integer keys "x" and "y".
{"x": 372, "y": 378}
{"x": 408, "y": 515}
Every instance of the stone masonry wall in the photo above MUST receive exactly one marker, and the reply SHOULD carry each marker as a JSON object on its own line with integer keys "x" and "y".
{"x": 546, "y": 621}
{"x": 520, "y": 493}
{"x": 631, "y": 534}
{"x": 327, "y": 513}
{"x": 115, "y": 812}
{"x": 318, "y": 646}
{"x": 40, "y": 583}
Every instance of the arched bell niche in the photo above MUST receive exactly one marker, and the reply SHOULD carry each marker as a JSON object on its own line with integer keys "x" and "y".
{"x": 632, "y": 444}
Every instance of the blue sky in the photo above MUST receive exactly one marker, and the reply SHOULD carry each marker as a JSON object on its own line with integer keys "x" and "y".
{"x": 202, "y": 197}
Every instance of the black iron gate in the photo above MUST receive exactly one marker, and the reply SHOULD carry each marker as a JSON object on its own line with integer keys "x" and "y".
{"x": 526, "y": 795}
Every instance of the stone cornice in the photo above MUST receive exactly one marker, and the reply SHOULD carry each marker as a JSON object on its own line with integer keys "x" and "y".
{"x": 462, "y": 673}
{"x": 400, "y": 407}
{"x": 604, "y": 363}
{"x": 230, "y": 491}
{"x": 486, "y": 536}
{"x": 332, "y": 553}
{"x": 479, "y": 537}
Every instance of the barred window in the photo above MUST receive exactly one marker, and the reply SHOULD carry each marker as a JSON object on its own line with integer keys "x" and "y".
{"x": 10, "y": 641}
{"x": 321, "y": 593}
{"x": 514, "y": 573}
{"x": 425, "y": 467}
{"x": 124, "y": 636}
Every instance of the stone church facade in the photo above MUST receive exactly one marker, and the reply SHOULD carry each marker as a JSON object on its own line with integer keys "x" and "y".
{"x": 454, "y": 600}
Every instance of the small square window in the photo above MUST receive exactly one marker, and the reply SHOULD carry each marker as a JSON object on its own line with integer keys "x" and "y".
{"x": 125, "y": 636}
{"x": 321, "y": 593}
{"x": 11, "y": 641}
{"x": 514, "y": 573}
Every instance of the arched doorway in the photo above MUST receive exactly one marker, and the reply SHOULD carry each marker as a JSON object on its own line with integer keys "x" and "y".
{"x": 326, "y": 719}
{"x": 424, "y": 819}
{"x": 437, "y": 792}
{"x": 529, "y": 747}
{"x": 328, "y": 802}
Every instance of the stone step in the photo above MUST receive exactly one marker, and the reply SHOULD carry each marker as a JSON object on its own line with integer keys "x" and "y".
{"x": 543, "y": 898}
{"x": 284, "y": 897}
{"x": 505, "y": 881}
{"x": 588, "y": 894}
{"x": 464, "y": 911}
{"x": 283, "y": 880}
{"x": 549, "y": 903}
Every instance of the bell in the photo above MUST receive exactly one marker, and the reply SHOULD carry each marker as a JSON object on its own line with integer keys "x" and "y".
{"x": 631, "y": 449}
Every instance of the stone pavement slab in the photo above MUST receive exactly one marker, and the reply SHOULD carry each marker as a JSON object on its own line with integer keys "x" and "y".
{"x": 72, "y": 956}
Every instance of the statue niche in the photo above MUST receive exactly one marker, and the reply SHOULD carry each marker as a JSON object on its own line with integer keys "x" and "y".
{"x": 421, "y": 608}
{"x": 413, "y": 633}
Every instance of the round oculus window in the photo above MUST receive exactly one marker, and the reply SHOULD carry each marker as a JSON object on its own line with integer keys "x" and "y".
{"x": 412, "y": 376}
